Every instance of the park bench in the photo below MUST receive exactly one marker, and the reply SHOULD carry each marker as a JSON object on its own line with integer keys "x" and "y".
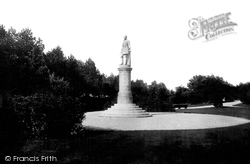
{"x": 179, "y": 106}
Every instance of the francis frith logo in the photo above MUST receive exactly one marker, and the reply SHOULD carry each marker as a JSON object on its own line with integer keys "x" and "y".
{"x": 212, "y": 27}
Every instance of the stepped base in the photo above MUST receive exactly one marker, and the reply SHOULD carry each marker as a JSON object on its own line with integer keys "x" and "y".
{"x": 125, "y": 111}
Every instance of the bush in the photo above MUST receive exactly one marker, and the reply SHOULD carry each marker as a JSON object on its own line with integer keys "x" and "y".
{"x": 46, "y": 115}
{"x": 9, "y": 128}
{"x": 152, "y": 98}
{"x": 180, "y": 96}
{"x": 244, "y": 93}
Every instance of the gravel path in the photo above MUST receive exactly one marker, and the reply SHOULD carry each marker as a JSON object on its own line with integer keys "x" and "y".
{"x": 227, "y": 104}
{"x": 163, "y": 121}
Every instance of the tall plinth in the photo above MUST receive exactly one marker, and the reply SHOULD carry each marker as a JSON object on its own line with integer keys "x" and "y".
{"x": 125, "y": 107}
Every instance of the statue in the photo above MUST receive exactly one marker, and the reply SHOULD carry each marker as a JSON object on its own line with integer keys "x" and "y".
{"x": 125, "y": 52}
{"x": 125, "y": 108}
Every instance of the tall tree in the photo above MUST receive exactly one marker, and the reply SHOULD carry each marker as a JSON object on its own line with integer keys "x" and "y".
{"x": 22, "y": 61}
{"x": 210, "y": 88}
{"x": 158, "y": 97}
{"x": 92, "y": 77}
{"x": 56, "y": 61}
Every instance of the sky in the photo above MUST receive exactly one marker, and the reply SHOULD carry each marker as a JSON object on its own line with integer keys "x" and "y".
{"x": 157, "y": 30}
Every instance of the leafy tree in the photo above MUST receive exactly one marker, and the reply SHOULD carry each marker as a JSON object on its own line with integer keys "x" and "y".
{"x": 244, "y": 92}
{"x": 41, "y": 115}
{"x": 181, "y": 95}
{"x": 37, "y": 85}
{"x": 110, "y": 85}
{"x": 92, "y": 77}
{"x": 140, "y": 93}
{"x": 158, "y": 97}
{"x": 153, "y": 98}
{"x": 196, "y": 86}
{"x": 73, "y": 75}
{"x": 21, "y": 61}
{"x": 56, "y": 61}
{"x": 210, "y": 89}
{"x": 58, "y": 86}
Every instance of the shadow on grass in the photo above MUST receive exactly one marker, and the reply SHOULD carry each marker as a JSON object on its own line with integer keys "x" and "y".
{"x": 243, "y": 112}
{"x": 219, "y": 145}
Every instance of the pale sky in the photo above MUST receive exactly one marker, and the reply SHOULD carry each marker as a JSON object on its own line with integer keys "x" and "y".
{"x": 157, "y": 30}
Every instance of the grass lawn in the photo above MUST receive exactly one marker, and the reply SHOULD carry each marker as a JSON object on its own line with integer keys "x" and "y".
{"x": 219, "y": 145}
{"x": 196, "y": 105}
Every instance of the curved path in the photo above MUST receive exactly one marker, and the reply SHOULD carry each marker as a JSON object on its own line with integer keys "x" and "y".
{"x": 227, "y": 104}
{"x": 162, "y": 121}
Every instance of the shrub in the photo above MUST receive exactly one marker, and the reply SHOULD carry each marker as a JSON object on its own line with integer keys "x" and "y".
{"x": 46, "y": 115}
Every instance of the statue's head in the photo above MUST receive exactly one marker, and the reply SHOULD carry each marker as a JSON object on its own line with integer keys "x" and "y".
{"x": 125, "y": 37}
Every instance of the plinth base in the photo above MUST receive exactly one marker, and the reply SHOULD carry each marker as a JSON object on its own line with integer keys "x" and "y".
{"x": 125, "y": 111}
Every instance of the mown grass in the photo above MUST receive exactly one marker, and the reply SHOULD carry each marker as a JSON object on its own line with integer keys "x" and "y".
{"x": 219, "y": 145}
{"x": 202, "y": 104}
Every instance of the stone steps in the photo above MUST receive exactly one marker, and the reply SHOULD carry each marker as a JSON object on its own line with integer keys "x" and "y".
{"x": 124, "y": 115}
{"x": 125, "y": 111}
{"x": 125, "y": 107}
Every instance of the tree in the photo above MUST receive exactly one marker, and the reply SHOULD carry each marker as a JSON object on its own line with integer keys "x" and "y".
{"x": 38, "y": 93}
{"x": 110, "y": 85}
{"x": 92, "y": 77}
{"x": 181, "y": 95}
{"x": 158, "y": 96}
{"x": 56, "y": 61}
{"x": 58, "y": 86}
{"x": 244, "y": 92}
{"x": 73, "y": 75}
{"x": 210, "y": 89}
{"x": 140, "y": 93}
{"x": 21, "y": 61}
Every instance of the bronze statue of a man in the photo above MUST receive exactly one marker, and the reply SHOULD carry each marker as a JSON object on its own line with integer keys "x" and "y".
{"x": 126, "y": 51}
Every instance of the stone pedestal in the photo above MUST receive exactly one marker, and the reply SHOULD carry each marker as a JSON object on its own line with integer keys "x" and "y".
{"x": 125, "y": 107}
